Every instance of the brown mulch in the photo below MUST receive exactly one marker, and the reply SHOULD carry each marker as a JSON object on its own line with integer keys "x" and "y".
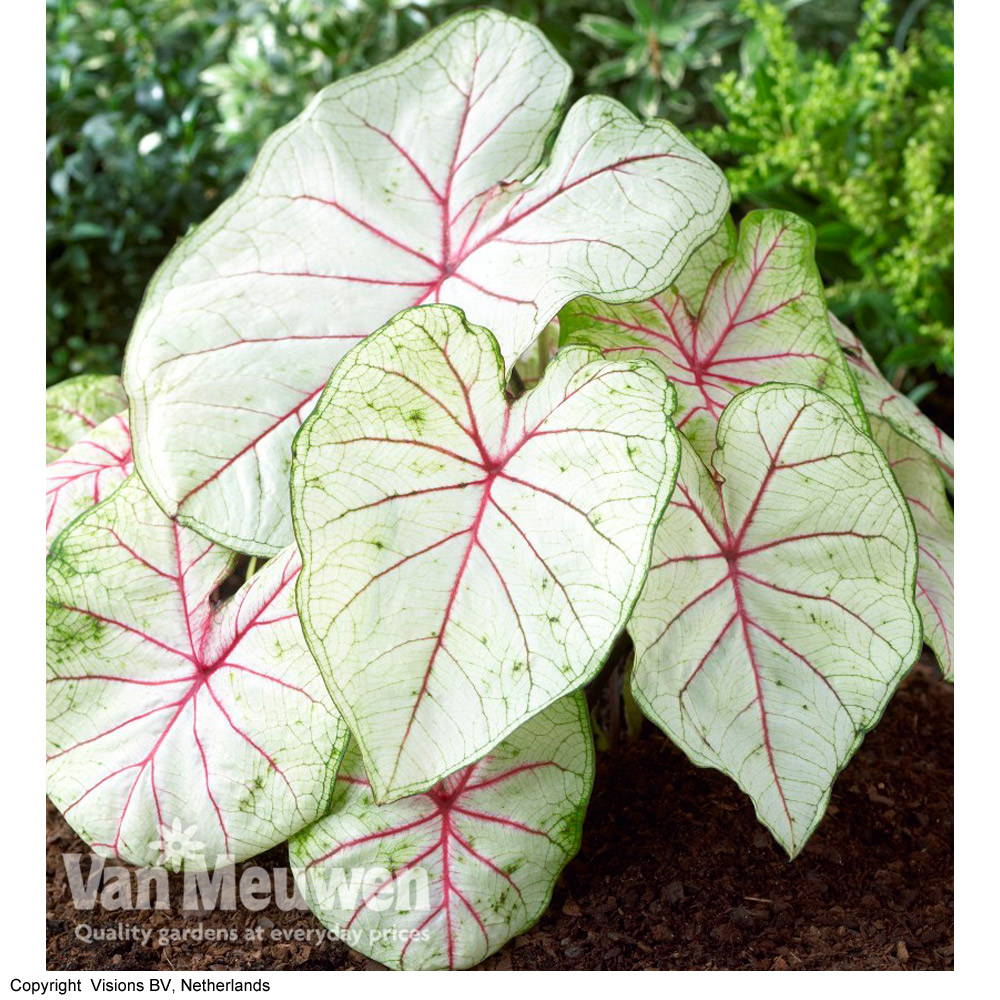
{"x": 674, "y": 873}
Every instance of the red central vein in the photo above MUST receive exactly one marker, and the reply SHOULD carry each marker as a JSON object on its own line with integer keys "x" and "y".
{"x": 732, "y": 549}
{"x": 765, "y": 483}
{"x": 182, "y": 591}
{"x": 755, "y": 271}
{"x": 447, "y": 264}
{"x": 765, "y": 727}
{"x": 446, "y": 617}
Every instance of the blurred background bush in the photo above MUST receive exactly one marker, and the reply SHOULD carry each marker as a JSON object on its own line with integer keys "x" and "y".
{"x": 841, "y": 110}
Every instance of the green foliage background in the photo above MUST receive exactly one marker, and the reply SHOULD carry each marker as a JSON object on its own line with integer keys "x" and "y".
{"x": 841, "y": 110}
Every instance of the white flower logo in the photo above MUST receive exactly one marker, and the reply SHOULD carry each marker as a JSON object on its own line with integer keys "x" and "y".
{"x": 177, "y": 845}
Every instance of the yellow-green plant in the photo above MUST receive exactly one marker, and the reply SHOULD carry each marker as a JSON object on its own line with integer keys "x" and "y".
{"x": 862, "y": 145}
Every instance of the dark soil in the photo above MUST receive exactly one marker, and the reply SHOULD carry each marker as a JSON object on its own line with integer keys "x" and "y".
{"x": 674, "y": 873}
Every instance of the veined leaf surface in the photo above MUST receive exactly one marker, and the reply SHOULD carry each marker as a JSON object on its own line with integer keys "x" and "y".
{"x": 468, "y": 560}
{"x": 762, "y": 317}
{"x": 696, "y": 277}
{"x": 166, "y": 711}
{"x": 882, "y": 399}
{"x": 464, "y": 867}
{"x": 920, "y": 478}
{"x": 778, "y": 616}
{"x": 87, "y": 473}
{"x": 75, "y": 407}
{"x": 416, "y": 182}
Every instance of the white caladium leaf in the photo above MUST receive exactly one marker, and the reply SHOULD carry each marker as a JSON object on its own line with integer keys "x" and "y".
{"x": 418, "y": 181}
{"x": 444, "y": 879}
{"x": 762, "y": 318}
{"x": 881, "y": 399}
{"x": 166, "y": 711}
{"x": 692, "y": 283}
{"x": 922, "y": 482}
{"x": 778, "y": 616}
{"x": 75, "y": 407}
{"x": 89, "y": 472}
{"x": 468, "y": 560}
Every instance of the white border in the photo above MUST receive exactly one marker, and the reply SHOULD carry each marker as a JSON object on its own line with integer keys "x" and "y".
{"x": 978, "y": 554}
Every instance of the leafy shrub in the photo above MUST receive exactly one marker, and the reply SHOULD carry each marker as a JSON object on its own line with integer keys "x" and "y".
{"x": 863, "y": 146}
{"x": 129, "y": 160}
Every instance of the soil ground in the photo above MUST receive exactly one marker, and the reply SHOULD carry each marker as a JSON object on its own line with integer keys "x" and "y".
{"x": 675, "y": 873}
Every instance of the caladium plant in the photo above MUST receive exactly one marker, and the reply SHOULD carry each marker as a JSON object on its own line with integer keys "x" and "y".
{"x": 419, "y": 181}
{"x": 454, "y": 545}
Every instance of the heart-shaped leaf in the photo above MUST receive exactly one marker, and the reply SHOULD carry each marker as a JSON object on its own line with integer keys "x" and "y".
{"x": 75, "y": 407}
{"x": 778, "y": 615}
{"x": 444, "y": 879}
{"x": 89, "y": 472}
{"x": 166, "y": 711}
{"x": 762, "y": 318}
{"x": 415, "y": 182}
{"x": 881, "y": 399}
{"x": 467, "y": 560}
{"x": 920, "y": 478}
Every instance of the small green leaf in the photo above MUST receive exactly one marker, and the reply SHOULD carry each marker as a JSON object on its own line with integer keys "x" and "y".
{"x": 607, "y": 30}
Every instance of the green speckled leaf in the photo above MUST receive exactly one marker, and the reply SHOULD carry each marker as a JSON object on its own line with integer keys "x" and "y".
{"x": 467, "y": 560}
{"x": 75, "y": 407}
{"x": 167, "y": 712}
{"x": 453, "y": 874}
